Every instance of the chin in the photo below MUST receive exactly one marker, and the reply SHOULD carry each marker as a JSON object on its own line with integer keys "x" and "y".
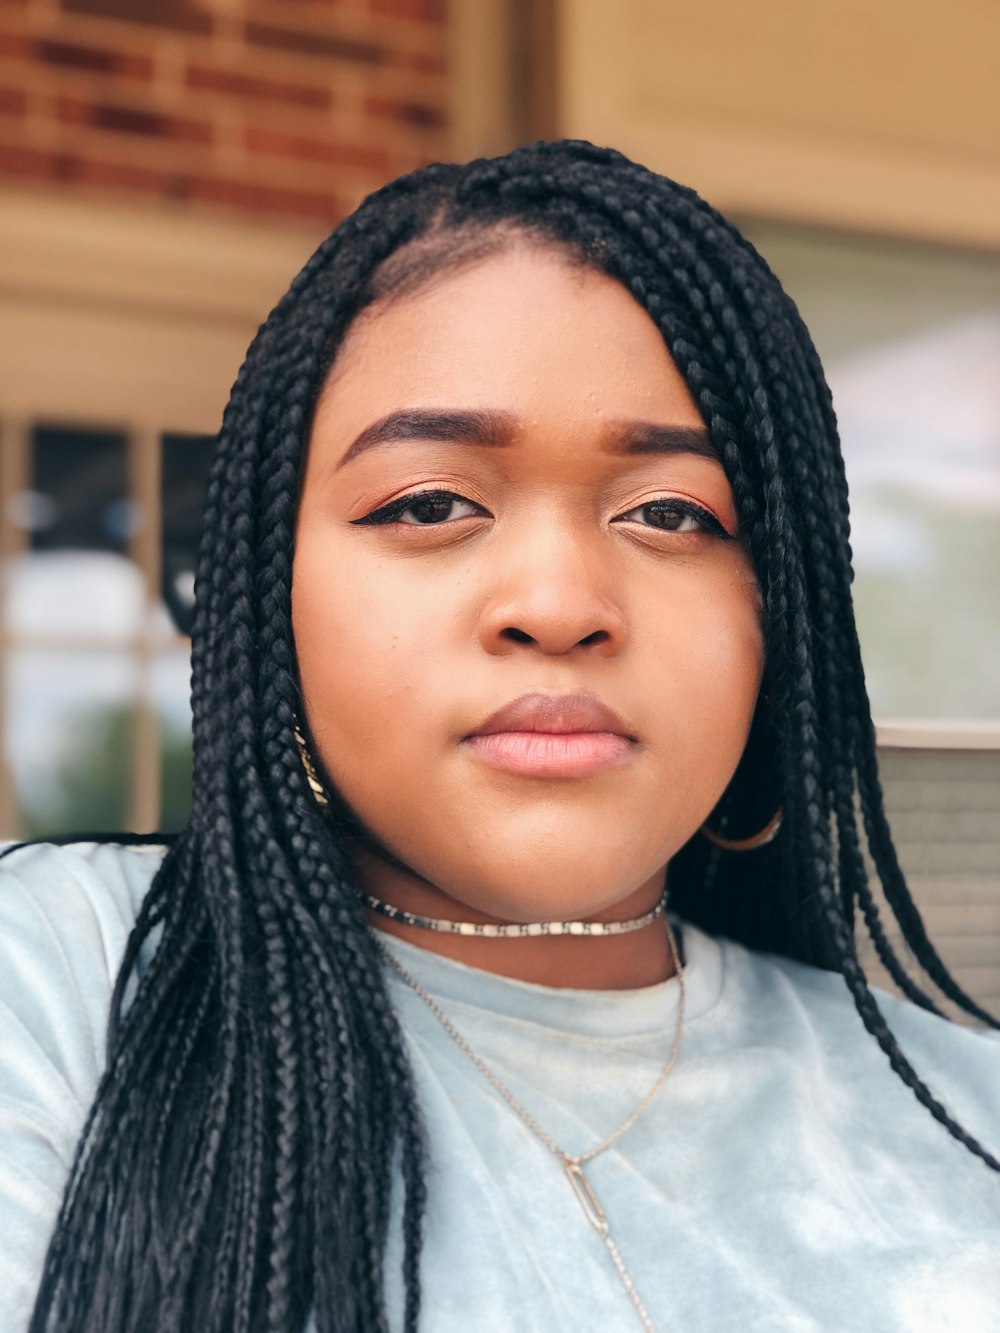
{"x": 557, "y": 890}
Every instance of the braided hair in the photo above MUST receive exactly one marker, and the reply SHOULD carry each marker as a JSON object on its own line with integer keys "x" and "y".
{"x": 257, "y": 1115}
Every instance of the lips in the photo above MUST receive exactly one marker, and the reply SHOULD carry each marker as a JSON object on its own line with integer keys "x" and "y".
{"x": 557, "y": 714}
{"x": 553, "y": 736}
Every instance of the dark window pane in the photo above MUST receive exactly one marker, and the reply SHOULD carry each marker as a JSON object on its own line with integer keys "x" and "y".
{"x": 79, "y": 495}
{"x": 186, "y": 463}
{"x": 74, "y": 576}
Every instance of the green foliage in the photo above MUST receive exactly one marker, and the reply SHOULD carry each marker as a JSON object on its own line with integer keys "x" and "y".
{"x": 91, "y": 787}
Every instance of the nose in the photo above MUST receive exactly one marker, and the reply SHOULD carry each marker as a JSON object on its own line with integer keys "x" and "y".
{"x": 551, "y": 589}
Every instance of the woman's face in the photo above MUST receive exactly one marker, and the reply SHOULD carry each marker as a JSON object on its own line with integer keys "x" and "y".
{"x": 578, "y": 548}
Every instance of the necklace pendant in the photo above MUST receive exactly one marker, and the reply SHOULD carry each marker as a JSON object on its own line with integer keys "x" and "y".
{"x": 584, "y": 1192}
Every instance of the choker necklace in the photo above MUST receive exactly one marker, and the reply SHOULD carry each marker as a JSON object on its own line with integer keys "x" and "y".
{"x": 516, "y": 930}
{"x": 572, "y": 1166}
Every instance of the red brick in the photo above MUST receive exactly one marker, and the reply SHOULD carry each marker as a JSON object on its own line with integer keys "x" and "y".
{"x": 74, "y": 170}
{"x": 178, "y": 15}
{"x": 262, "y": 140}
{"x": 312, "y": 43}
{"x": 260, "y": 198}
{"x": 402, "y": 163}
{"x": 427, "y": 11}
{"x": 31, "y": 163}
{"x": 97, "y": 60}
{"x": 132, "y": 120}
{"x": 13, "y": 101}
{"x": 118, "y": 176}
{"x": 414, "y": 114}
{"x": 216, "y": 79}
{"x": 422, "y": 62}
{"x": 279, "y": 84}
{"x": 12, "y": 44}
{"x": 71, "y": 111}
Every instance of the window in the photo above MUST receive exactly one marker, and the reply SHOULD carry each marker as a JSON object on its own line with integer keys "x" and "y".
{"x": 101, "y": 528}
{"x": 122, "y": 328}
{"x": 910, "y": 339}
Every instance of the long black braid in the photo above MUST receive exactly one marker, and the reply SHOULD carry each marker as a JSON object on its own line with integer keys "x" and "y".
{"x": 258, "y": 1110}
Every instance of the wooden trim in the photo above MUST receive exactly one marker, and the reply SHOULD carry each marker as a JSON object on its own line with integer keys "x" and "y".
{"x": 145, "y": 547}
{"x": 14, "y": 478}
{"x": 480, "y": 60}
{"x": 129, "y": 644}
{"x": 147, "y": 315}
{"x": 917, "y": 735}
{"x": 535, "y": 69}
{"x": 762, "y": 127}
{"x": 72, "y": 252}
{"x": 504, "y": 75}
{"x": 756, "y": 174}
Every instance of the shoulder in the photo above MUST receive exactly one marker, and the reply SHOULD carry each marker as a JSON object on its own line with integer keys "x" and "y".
{"x": 104, "y": 875}
{"x": 822, "y": 999}
{"x": 65, "y": 917}
{"x": 68, "y": 910}
{"x": 104, "y": 880}
{"x": 809, "y": 1014}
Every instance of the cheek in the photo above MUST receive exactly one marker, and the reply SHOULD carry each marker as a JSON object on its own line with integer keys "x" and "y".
{"x": 715, "y": 661}
{"x": 728, "y": 651}
{"x": 362, "y": 651}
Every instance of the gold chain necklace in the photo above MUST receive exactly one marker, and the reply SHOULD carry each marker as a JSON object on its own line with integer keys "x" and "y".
{"x": 573, "y": 1166}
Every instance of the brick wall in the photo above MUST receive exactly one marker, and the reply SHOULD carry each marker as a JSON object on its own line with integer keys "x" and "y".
{"x": 294, "y": 108}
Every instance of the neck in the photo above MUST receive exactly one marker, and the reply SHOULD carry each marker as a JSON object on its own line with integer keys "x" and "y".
{"x": 611, "y": 962}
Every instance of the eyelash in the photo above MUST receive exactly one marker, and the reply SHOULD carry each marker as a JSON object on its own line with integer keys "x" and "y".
{"x": 392, "y": 512}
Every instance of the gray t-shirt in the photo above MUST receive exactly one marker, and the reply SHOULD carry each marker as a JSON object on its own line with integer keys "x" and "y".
{"x": 783, "y": 1178}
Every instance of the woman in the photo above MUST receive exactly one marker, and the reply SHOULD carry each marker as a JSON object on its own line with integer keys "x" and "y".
{"x": 524, "y": 594}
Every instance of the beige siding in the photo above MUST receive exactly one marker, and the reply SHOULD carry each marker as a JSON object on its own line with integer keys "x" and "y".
{"x": 944, "y": 810}
{"x": 875, "y": 117}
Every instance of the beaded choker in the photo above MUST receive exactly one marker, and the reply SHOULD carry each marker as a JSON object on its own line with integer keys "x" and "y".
{"x": 515, "y": 930}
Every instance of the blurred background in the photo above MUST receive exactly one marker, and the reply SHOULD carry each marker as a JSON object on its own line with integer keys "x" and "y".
{"x": 166, "y": 166}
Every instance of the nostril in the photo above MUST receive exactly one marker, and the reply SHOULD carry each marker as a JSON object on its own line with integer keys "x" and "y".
{"x": 598, "y": 636}
{"x": 518, "y": 635}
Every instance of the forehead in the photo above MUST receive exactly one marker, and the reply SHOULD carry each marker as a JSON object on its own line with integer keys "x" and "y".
{"x": 526, "y": 330}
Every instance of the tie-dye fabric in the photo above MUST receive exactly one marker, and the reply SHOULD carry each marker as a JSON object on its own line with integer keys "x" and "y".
{"x": 784, "y": 1178}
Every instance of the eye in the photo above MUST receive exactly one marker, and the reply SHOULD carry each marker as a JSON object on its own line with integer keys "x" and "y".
{"x": 424, "y": 509}
{"x": 670, "y": 515}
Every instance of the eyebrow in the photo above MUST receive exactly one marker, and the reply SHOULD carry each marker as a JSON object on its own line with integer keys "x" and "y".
{"x": 496, "y": 430}
{"x": 492, "y": 429}
{"x": 647, "y": 437}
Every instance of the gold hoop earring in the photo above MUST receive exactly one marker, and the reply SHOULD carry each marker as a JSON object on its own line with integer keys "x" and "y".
{"x": 767, "y": 834}
{"x": 315, "y": 786}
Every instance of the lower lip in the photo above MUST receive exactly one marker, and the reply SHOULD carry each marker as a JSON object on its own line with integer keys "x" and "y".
{"x": 544, "y": 754}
